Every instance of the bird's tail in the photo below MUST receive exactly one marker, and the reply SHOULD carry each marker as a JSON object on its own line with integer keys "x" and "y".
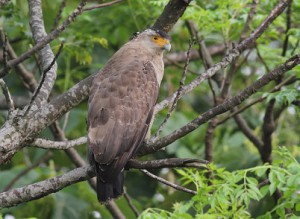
{"x": 107, "y": 191}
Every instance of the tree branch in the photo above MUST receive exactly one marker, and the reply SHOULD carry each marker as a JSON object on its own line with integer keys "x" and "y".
{"x": 102, "y": 5}
{"x": 173, "y": 185}
{"x": 221, "y": 108}
{"x": 60, "y": 145}
{"x": 8, "y": 98}
{"x": 172, "y": 12}
{"x": 170, "y": 162}
{"x": 38, "y": 190}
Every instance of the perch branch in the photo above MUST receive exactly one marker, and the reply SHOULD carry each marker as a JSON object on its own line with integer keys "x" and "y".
{"x": 60, "y": 145}
{"x": 166, "y": 182}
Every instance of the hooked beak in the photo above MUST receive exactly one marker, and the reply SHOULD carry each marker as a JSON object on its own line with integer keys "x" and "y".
{"x": 167, "y": 46}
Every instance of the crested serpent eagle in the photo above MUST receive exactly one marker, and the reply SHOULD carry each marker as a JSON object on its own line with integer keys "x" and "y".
{"x": 121, "y": 103}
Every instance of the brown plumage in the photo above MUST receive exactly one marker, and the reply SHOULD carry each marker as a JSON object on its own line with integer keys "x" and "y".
{"x": 121, "y": 105}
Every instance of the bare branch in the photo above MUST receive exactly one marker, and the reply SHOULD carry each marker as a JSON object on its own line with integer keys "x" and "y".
{"x": 102, "y": 5}
{"x": 172, "y": 12}
{"x": 60, "y": 145}
{"x": 173, "y": 185}
{"x": 114, "y": 210}
{"x": 40, "y": 88}
{"x": 250, "y": 16}
{"x": 242, "y": 124}
{"x": 5, "y": 43}
{"x": 131, "y": 205}
{"x": 38, "y": 190}
{"x": 59, "y": 13}
{"x": 169, "y": 162}
{"x": 9, "y": 100}
{"x": 288, "y": 27}
{"x": 43, "y": 159}
{"x": 268, "y": 128}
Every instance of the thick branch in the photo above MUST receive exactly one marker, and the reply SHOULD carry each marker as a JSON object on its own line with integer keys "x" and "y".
{"x": 38, "y": 190}
{"x": 172, "y": 12}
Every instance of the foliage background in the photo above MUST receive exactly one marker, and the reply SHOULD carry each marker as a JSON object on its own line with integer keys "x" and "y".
{"x": 89, "y": 43}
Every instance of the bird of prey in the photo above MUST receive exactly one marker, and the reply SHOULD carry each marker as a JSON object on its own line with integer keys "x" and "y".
{"x": 121, "y": 103}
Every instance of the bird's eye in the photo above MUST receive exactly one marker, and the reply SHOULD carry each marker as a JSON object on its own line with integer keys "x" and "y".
{"x": 155, "y": 38}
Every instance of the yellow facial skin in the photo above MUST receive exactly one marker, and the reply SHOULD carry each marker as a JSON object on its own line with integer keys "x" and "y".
{"x": 161, "y": 42}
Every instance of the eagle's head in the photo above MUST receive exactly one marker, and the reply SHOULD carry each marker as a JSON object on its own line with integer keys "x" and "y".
{"x": 154, "y": 39}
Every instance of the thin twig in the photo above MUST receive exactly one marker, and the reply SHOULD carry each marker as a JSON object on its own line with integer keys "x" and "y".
{"x": 169, "y": 162}
{"x": 262, "y": 59}
{"x": 59, "y": 13}
{"x": 27, "y": 77}
{"x": 181, "y": 85}
{"x": 243, "y": 126}
{"x": 131, "y": 205}
{"x": 173, "y": 185}
{"x": 288, "y": 27}
{"x": 66, "y": 119}
{"x": 102, "y": 5}
{"x": 4, "y": 46}
{"x": 250, "y": 16}
{"x": 43, "y": 159}
{"x": 43, "y": 78}
{"x": 9, "y": 100}
{"x": 296, "y": 46}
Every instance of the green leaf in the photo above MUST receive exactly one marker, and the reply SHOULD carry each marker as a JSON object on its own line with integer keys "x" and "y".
{"x": 261, "y": 171}
{"x": 280, "y": 212}
{"x": 285, "y": 96}
{"x": 272, "y": 188}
